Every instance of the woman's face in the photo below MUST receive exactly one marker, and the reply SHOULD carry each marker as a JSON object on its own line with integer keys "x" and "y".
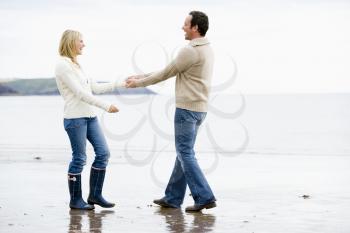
{"x": 79, "y": 45}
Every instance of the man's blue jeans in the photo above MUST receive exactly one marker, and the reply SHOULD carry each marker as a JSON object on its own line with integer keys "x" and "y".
{"x": 80, "y": 129}
{"x": 186, "y": 170}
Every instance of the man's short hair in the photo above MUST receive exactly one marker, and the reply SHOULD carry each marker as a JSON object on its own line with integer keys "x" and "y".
{"x": 201, "y": 20}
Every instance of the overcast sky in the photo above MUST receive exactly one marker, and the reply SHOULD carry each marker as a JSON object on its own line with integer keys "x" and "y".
{"x": 275, "y": 46}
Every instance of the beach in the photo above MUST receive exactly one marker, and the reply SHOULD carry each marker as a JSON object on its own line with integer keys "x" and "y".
{"x": 283, "y": 180}
{"x": 274, "y": 144}
{"x": 255, "y": 194}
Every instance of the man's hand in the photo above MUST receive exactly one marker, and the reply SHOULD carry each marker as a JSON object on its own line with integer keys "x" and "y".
{"x": 139, "y": 76}
{"x": 131, "y": 82}
{"x": 113, "y": 109}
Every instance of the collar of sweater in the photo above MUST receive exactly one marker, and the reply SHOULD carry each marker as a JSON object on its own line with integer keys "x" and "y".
{"x": 199, "y": 41}
{"x": 66, "y": 58}
{"x": 70, "y": 61}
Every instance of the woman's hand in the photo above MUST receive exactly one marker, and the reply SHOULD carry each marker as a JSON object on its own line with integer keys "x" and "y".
{"x": 113, "y": 109}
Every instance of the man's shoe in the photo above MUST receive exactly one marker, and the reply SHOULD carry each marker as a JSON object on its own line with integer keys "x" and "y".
{"x": 197, "y": 208}
{"x": 162, "y": 203}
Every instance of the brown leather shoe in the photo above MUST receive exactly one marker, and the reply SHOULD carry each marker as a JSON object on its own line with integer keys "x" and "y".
{"x": 197, "y": 208}
{"x": 162, "y": 203}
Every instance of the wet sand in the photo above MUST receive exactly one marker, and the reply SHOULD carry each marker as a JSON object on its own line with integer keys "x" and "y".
{"x": 256, "y": 193}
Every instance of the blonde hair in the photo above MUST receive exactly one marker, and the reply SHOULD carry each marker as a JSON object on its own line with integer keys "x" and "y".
{"x": 67, "y": 46}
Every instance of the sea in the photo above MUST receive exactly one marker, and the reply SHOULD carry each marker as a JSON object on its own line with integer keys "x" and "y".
{"x": 235, "y": 125}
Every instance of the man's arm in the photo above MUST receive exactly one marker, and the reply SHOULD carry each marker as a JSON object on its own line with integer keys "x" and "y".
{"x": 184, "y": 60}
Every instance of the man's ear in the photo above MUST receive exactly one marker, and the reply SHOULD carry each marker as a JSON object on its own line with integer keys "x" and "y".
{"x": 195, "y": 28}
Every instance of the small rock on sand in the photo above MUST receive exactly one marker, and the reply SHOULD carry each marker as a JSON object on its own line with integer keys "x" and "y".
{"x": 305, "y": 196}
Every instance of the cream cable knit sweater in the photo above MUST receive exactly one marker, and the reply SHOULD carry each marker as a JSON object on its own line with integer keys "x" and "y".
{"x": 76, "y": 89}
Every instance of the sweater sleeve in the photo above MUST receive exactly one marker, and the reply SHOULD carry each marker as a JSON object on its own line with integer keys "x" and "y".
{"x": 99, "y": 88}
{"x": 65, "y": 74}
{"x": 185, "y": 59}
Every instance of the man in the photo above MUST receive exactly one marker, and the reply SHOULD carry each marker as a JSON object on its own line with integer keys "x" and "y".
{"x": 193, "y": 70}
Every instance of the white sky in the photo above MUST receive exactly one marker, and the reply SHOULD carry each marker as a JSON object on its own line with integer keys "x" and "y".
{"x": 278, "y": 46}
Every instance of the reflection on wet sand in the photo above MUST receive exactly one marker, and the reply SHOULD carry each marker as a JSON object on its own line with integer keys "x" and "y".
{"x": 174, "y": 219}
{"x": 202, "y": 222}
{"x": 178, "y": 222}
{"x": 95, "y": 220}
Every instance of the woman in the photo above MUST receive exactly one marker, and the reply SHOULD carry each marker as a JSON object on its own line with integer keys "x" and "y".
{"x": 80, "y": 121}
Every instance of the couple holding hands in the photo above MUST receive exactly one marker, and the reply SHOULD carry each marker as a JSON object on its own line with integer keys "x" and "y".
{"x": 193, "y": 70}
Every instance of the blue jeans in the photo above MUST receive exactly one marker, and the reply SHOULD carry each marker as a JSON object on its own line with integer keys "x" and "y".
{"x": 186, "y": 170}
{"x": 80, "y": 129}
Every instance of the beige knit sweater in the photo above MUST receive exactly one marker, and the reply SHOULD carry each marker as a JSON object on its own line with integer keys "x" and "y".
{"x": 193, "y": 68}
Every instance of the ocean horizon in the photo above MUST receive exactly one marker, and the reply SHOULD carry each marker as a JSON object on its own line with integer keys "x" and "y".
{"x": 288, "y": 124}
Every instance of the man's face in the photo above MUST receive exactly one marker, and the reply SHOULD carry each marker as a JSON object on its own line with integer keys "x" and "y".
{"x": 187, "y": 28}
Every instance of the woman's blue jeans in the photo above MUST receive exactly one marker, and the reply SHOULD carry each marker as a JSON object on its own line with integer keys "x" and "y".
{"x": 186, "y": 170}
{"x": 80, "y": 129}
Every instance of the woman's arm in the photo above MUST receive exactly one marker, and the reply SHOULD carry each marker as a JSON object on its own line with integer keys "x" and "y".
{"x": 99, "y": 88}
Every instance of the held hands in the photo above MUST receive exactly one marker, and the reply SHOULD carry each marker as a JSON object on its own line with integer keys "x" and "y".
{"x": 131, "y": 81}
{"x": 113, "y": 109}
